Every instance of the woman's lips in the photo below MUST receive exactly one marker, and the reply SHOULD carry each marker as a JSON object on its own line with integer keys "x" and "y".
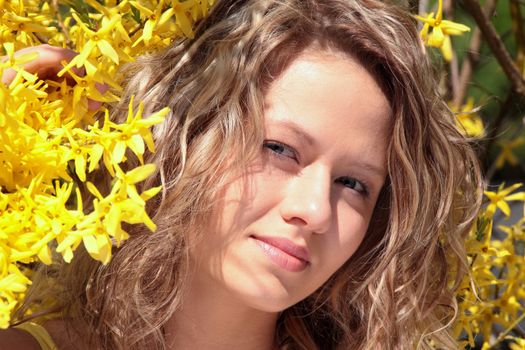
{"x": 283, "y": 252}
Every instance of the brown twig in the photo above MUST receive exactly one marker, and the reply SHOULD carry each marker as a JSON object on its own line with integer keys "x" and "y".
{"x": 60, "y": 20}
{"x": 472, "y": 58}
{"x": 423, "y": 7}
{"x": 137, "y": 28}
{"x": 453, "y": 78}
{"x": 413, "y": 6}
{"x": 494, "y": 131}
{"x": 503, "y": 334}
{"x": 40, "y": 38}
{"x": 448, "y": 8}
{"x": 496, "y": 45}
{"x": 517, "y": 25}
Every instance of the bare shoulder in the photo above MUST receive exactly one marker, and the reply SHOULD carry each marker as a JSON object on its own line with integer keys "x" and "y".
{"x": 63, "y": 338}
{"x": 13, "y": 338}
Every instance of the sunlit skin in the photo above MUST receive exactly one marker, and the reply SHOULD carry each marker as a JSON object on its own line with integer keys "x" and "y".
{"x": 47, "y": 66}
{"x": 315, "y": 185}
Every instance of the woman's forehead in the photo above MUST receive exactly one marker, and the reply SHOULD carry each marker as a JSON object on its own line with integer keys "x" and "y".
{"x": 332, "y": 103}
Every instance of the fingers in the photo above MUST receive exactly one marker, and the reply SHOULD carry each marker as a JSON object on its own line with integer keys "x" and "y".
{"x": 49, "y": 62}
{"x": 8, "y": 75}
{"x": 94, "y": 105}
{"x": 46, "y": 66}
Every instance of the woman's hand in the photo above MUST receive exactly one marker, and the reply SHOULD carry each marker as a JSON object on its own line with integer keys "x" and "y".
{"x": 47, "y": 65}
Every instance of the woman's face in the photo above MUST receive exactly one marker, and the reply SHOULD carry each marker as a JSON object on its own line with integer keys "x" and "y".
{"x": 303, "y": 207}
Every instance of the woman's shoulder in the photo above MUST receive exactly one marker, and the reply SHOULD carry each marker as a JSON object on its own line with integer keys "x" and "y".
{"x": 50, "y": 334}
{"x": 14, "y": 338}
{"x": 64, "y": 337}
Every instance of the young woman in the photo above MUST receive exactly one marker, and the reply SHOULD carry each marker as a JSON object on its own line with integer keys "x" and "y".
{"x": 315, "y": 192}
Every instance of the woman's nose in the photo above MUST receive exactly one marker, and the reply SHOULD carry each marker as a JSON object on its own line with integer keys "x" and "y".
{"x": 307, "y": 200}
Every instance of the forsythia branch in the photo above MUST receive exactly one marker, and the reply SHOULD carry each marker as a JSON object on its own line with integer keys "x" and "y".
{"x": 496, "y": 45}
{"x": 517, "y": 25}
{"x": 471, "y": 58}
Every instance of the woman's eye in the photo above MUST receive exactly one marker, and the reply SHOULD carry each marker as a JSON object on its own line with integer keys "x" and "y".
{"x": 353, "y": 184}
{"x": 280, "y": 149}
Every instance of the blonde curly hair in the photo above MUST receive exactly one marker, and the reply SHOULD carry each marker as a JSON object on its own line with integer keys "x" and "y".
{"x": 397, "y": 290}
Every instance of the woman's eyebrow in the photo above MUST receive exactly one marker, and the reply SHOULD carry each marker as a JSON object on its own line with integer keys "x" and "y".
{"x": 296, "y": 129}
{"x": 302, "y": 134}
{"x": 371, "y": 168}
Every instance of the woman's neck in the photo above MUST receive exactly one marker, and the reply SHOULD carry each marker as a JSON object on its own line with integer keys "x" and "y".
{"x": 211, "y": 318}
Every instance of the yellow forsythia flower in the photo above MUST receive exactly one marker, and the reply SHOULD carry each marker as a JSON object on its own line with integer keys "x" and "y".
{"x": 468, "y": 121}
{"x": 500, "y": 198}
{"x": 491, "y": 297}
{"x": 441, "y": 31}
{"x": 518, "y": 344}
{"x": 507, "y": 152}
{"x": 49, "y": 137}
